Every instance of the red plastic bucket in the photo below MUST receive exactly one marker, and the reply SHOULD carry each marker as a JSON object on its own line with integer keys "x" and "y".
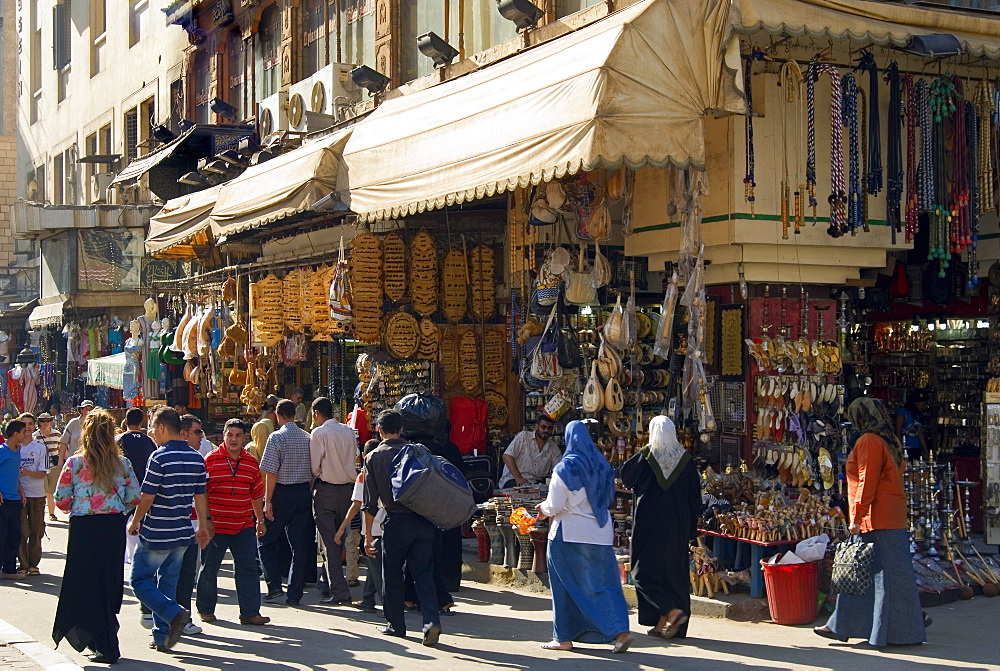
{"x": 792, "y": 592}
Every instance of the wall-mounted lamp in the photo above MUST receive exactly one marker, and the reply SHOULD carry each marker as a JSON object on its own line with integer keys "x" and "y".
{"x": 435, "y": 48}
{"x": 940, "y": 45}
{"x": 370, "y": 79}
{"x": 232, "y": 157}
{"x": 224, "y": 109}
{"x": 523, "y": 13}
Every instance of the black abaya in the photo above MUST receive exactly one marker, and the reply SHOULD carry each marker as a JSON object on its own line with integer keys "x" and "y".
{"x": 90, "y": 596}
{"x": 663, "y": 523}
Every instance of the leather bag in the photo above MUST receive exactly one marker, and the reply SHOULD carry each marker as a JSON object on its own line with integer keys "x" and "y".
{"x": 852, "y": 567}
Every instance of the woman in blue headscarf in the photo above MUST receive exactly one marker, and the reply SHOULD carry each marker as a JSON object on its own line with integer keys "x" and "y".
{"x": 587, "y": 601}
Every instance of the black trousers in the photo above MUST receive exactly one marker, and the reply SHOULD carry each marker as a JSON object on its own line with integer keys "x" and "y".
{"x": 408, "y": 540}
{"x": 10, "y": 534}
{"x": 293, "y": 520}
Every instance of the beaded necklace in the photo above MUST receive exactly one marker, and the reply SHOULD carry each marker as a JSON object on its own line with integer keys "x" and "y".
{"x": 926, "y": 167}
{"x": 912, "y": 201}
{"x": 749, "y": 182}
{"x": 894, "y": 150}
{"x": 984, "y": 163}
{"x": 849, "y": 88}
{"x": 972, "y": 148}
{"x": 959, "y": 230}
{"x": 838, "y": 186}
{"x": 941, "y": 104}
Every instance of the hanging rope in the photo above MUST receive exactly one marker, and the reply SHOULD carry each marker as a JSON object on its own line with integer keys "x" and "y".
{"x": 812, "y": 74}
{"x": 912, "y": 199}
{"x": 874, "y": 176}
{"x": 789, "y": 77}
{"x": 838, "y": 186}
{"x": 849, "y": 90}
{"x": 972, "y": 149}
{"x": 983, "y": 100}
{"x": 863, "y": 117}
{"x": 749, "y": 183}
{"x": 894, "y": 150}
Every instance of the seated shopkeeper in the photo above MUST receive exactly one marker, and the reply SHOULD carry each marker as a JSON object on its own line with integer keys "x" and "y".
{"x": 531, "y": 456}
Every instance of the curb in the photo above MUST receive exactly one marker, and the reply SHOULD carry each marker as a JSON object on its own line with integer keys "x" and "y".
{"x": 45, "y": 657}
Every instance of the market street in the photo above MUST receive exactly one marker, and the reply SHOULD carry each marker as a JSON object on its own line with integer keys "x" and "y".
{"x": 493, "y": 627}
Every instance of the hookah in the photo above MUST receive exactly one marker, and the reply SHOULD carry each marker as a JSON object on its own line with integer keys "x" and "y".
{"x": 947, "y": 510}
{"x": 933, "y": 489}
{"x": 964, "y": 518}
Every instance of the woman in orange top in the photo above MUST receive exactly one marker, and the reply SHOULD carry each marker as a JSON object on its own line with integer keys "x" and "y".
{"x": 889, "y": 613}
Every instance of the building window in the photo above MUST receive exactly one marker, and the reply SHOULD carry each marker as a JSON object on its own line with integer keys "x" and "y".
{"x": 138, "y": 21}
{"x": 177, "y": 101}
{"x": 147, "y": 119}
{"x": 131, "y": 134}
{"x": 268, "y": 58}
{"x": 314, "y": 51}
{"x": 58, "y": 177}
{"x": 235, "y": 64}
{"x": 98, "y": 30}
{"x": 62, "y": 33}
{"x": 35, "y": 61}
{"x": 202, "y": 85}
{"x": 91, "y": 150}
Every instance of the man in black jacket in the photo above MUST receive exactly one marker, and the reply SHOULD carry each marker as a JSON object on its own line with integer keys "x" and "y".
{"x": 408, "y": 538}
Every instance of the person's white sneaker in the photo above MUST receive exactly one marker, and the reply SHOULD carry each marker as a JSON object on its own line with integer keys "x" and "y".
{"x": 146, "y": 620}
{"x": 190, "y": 629}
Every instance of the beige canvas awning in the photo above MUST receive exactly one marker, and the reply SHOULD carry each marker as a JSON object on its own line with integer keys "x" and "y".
{"x": 46, "y": 315}
{"x": 282, "y": 186}
{"x": 879, "y": 22}
{"x": 631, "y": 88}
{"x": 181, "y": 220}
{"x": 140, "y": 166}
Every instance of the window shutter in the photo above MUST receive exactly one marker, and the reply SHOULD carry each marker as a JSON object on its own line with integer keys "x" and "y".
{"x": 61, "y": 33}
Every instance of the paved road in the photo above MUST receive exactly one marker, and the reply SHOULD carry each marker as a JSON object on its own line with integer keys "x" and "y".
{"x": 494, "y": 627}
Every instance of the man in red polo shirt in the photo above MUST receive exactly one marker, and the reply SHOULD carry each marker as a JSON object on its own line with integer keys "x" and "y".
{"x": 235, "y": 497}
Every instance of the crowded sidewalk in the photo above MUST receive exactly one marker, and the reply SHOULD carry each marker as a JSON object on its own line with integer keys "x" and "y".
{"x": 493, "y": 627}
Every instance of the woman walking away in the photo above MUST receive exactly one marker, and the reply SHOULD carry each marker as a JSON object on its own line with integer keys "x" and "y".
{"x": 587, "y": 601}
{"x": 97, "y": 488}
{"x": 665, "y": 482}
{"x": 889, "y": 612}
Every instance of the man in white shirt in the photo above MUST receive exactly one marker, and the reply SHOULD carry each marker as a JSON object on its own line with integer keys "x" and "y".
{"x": 74, "y": 429}
{"x": 333, "y": 452}
{"x": 49, "y": 437}
{"x": 531, "y": 456}
{"x": 373, "y": 583}
{"x": 34, "y": 468}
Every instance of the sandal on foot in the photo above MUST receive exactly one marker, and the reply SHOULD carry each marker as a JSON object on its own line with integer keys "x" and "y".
{"x": 621, "y": 645}
{"x": 557, "y": 645}
{"x": 674, "y": 626}
{"x": 826, "y": 632}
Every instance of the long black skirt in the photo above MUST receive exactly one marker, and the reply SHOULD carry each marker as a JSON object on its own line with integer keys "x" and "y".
{"x": 90, "y": 597}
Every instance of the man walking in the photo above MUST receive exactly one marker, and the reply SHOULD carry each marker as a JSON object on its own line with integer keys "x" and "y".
{"x": 49, "y": 437}
{"x": 11, "y": 499}
{"x": 175, "y": 479}
{"x": 137, "y": 446}
{"x": 407, "y": 538}
{"x": 236, "y": 499}
{"x": 74, "y": 429}
{"x": 194, "y": 436}
{"x": 34, "y": 468}
{"x": 333, "y": 451}
{"x": 287, "y": 474}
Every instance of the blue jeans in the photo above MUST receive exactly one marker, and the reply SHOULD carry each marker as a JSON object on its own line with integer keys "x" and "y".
{"x": 292, "y": 505}
{"x": 243, "y": 545}
{"x": 154, "y": 583}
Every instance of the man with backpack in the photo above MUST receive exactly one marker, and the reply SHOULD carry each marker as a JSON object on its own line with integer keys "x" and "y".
{"x": 408, "y": 538}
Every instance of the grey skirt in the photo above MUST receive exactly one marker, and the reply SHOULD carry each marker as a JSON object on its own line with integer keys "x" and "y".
{"x": 889, "y": 614}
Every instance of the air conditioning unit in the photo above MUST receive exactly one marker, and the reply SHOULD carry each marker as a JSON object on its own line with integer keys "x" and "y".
{"x": 272, "y": 114}
{"x": 99, "y": 186}
{"x": 326, "y": 92}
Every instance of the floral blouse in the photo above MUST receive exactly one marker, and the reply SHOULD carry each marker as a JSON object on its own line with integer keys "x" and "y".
{"x": 76, "y": 495}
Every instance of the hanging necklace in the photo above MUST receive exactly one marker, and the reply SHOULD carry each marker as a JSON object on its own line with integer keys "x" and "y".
{"x": 959, "y": 198}
{"x": 894, "y": 150}
{"x": 984, "y": 163}
{"x": 874, "y": 154}
{"x": 941, "y": 106}
{"x": 972, "y": 148}
{"x": 863, "y": 116}
{"x": 925, "y": 192}
{"x": 812, "y": 74}
{"x": 849, "y": 88}
{"x": 749, "y": 183}
{"x": 838, "y": 190}
{"x": 912, "y": 201}
{"x": 790, "y": 77}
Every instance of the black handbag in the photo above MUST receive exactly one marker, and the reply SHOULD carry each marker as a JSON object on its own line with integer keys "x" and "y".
{"x": 568, "y": 346}
{"x": 852, "y": 567}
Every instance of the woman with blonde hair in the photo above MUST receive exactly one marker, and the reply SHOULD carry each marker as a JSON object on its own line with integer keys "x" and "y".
{"x": 97, "y": 487}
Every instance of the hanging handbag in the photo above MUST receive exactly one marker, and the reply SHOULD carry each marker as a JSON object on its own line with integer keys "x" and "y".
{"x": 545, "y": 357}
{"x": 340, "y": 289}
{"x": 852, "y": 567}
{"x": 570, "y": 356}
{"x": 580, "y": 287}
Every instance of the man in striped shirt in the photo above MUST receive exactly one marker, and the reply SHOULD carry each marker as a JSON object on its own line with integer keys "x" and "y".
{"x": 287, "y": 504}
{"x": 236, "y": 499}
{"x": 175, "y": 479}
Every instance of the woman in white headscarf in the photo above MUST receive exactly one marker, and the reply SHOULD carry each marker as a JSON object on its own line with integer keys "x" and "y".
{"x": 667, "y": 490}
